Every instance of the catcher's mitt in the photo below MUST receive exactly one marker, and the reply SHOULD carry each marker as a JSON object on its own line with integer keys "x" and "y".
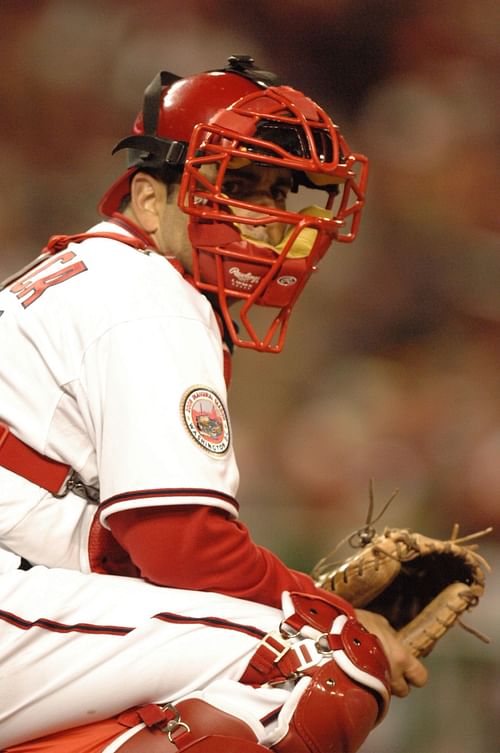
{"x": 421, "y": 585}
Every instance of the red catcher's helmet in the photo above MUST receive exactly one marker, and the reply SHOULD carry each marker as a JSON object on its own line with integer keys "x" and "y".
{"x": 228, "y": 119}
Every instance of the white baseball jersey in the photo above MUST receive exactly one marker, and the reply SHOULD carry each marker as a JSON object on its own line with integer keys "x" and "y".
{"x": 112, "y": 363}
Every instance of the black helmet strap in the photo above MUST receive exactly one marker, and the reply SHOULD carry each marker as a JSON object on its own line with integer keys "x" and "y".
{"x": 152, "y": 100}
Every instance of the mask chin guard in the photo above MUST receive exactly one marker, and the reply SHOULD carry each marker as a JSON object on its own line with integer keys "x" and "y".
{"x": 244, "y": 274}
{"x": 303, "y": 242}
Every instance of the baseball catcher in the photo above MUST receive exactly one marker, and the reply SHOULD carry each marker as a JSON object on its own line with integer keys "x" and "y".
{"x": 133, "y": 600}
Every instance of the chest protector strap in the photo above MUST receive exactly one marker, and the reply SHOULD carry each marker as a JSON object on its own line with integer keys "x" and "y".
{"x": 18, "y": 457}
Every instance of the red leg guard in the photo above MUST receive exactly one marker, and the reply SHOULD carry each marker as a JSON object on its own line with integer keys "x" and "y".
{"x": 333, "y": 715}
{"x": 201, "y": 728}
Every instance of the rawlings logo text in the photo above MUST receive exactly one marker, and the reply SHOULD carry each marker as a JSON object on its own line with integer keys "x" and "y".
{"x": 245, "y": 280}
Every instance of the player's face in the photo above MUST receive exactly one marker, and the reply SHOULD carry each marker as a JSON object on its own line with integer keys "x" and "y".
{"x": 261, "y": 186}
{"x": 264, "y": 187}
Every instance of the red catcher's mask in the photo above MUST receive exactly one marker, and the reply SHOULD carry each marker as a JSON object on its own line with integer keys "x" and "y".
{"x": 236, "y": 119}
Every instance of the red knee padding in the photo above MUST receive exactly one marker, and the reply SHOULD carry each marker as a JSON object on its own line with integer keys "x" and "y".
{"x": 333, "y": 715}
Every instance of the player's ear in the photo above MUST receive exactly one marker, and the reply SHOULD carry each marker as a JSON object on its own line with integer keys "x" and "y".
{"x": 147, "y": 195}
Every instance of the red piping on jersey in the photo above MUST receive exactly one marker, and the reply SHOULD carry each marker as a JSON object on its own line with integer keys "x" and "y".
{"x": 61, "y": 627}
{"x": 120, "y": 630}
{"x": 215, "y": 622}
{"x": 181, "y": 492}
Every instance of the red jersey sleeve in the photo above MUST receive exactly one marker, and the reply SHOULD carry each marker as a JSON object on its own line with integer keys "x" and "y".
{"x": 203, "y": 549}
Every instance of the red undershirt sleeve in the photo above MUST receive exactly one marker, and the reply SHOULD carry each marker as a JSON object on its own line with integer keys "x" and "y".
{"x": 203, "y": 549}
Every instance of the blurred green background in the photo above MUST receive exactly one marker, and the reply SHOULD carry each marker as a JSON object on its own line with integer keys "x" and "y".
{"x": 391, "y": 369}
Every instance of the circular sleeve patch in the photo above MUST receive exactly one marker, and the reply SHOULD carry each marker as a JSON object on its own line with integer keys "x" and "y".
{"x": 206, "y": 419}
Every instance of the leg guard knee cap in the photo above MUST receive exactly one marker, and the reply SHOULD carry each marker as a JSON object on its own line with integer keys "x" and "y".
{"x": 333, "y": 715}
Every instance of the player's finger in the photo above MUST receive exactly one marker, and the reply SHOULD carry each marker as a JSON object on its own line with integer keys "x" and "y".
{"x": 413, "y": 674}
{"x": 416, "y": 673}
{"x": 399, "y": 686}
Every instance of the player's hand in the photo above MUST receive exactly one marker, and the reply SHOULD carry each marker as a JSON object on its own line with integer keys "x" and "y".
{"x": 405, "y": 669}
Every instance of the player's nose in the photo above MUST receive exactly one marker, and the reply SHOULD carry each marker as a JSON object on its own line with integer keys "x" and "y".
{"x": 264, "y": 198}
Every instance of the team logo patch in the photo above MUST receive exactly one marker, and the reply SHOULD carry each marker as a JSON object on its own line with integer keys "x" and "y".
{"x": 206, "y": 419}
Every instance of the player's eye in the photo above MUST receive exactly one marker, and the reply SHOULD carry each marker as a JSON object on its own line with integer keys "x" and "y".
{"x": 233, "y": 188}
{"x": 280, "y": 193}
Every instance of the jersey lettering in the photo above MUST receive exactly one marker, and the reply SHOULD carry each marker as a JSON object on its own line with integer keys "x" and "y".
{"x": 26, "y": 286}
